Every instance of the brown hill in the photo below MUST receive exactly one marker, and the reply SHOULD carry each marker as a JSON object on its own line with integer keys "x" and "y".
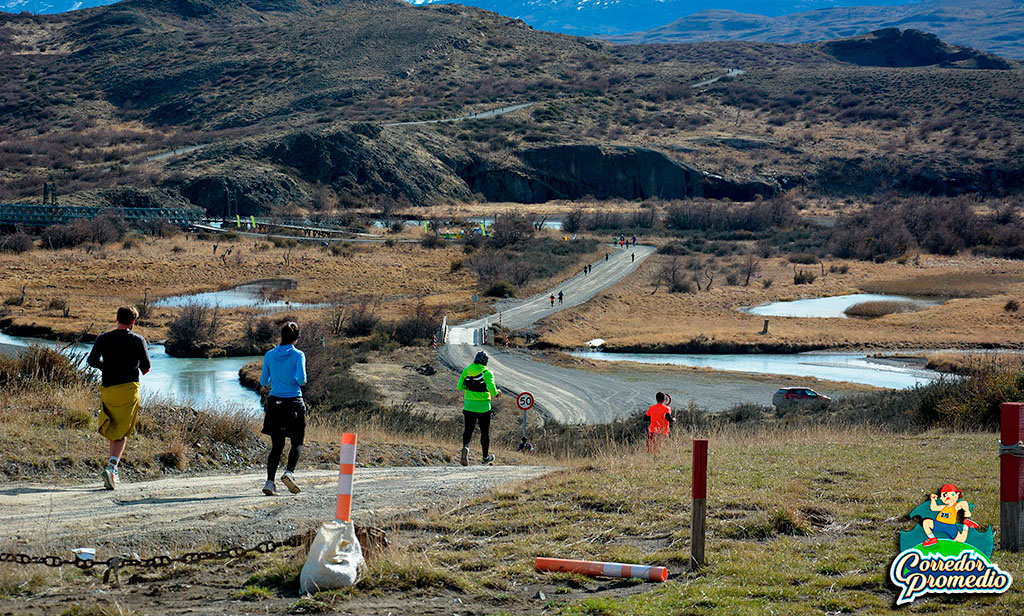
{"x": 294, "y": 98}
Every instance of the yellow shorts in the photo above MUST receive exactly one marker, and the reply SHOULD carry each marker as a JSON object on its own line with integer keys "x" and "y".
{"x": 120, "y": 410}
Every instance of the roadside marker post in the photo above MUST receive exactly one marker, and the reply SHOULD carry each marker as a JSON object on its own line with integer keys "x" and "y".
{"x": 1011, "y": 476}
{"x": 699, "y": 511}
{"x": 346, "y": 468}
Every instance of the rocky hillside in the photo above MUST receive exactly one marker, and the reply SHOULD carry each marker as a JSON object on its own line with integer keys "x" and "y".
{"x": 993, "y": 26}
{"x": 298, "y": 105}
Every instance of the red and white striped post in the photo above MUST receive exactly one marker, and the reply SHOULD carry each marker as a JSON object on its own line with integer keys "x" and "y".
{"x": 346, "y": 468}
{"x": 1011, "y": 476}
{"x": 590, "y": 567}
{"x": 698, "y": 514}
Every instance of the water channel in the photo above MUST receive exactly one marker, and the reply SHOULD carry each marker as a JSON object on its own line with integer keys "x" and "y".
{"x": 832, "y": 307}
{"x": 846, "y": 367}
{"x": 203, "y": 383}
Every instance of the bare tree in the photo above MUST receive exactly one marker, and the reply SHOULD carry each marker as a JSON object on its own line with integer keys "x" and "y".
{"x": 710, "y": 275}
{"x": 750, "y": 268}
{"x": 671, "y": 275}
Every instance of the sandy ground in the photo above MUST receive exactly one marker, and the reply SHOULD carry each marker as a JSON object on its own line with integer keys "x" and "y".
{"x": 177, "y": 515}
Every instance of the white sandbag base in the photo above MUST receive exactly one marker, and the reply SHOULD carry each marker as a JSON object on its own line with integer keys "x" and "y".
{"x": 335, "y": 559}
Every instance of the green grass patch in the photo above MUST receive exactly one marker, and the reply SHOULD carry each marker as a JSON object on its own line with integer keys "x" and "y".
{"x": 253, "y": 593}
{"x": 798, "y": 522}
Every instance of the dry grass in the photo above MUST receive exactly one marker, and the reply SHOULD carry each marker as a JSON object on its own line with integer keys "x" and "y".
{"x": 806, "y": 517}
{"x": 629, "y": 315}
{"x": 95, "y": 282}
{"x": 873, "y": 310}
{"x": 971, "y": 363}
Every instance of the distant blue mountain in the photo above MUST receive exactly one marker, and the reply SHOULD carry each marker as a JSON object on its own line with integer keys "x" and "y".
{"x": 49, "y": 6}
{"x": 608, "y": 17}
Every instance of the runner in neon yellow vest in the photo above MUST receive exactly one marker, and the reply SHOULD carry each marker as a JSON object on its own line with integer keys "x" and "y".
{"x": 478, "y": 383}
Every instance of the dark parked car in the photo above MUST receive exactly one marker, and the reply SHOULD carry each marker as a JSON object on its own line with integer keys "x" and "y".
{"x": 800, "y": 397}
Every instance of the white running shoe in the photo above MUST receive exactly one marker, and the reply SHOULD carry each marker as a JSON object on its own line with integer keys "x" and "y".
{"x": 289, "y": 481}
{"x": 110, "y": 477}
{"x": 464, "y": 457}
{"x": 269, "y": 489}
{"x": 488, "y": 459}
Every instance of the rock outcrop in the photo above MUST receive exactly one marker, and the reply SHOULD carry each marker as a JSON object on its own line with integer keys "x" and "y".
{"x": 601, "y": 172}
{"x": 895, "y": 47}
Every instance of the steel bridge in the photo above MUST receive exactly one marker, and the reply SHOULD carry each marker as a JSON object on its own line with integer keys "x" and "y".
{"x": 12, "y": 214}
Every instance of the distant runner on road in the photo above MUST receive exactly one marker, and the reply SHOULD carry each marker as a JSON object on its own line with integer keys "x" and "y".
{"x": 478, "y": 383}
{"x": 120, "y": 355}
{"x": 552, "y": 300}
{"x": 660, "y": 417}
{"x": 284, "y": 369}
{"x": 560, "y": 296}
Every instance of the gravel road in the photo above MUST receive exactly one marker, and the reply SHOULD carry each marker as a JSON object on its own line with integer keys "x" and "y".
{"x": 577, "y": 396}
{"x": 180, "y": 514}
{"x": 568, "y": 396}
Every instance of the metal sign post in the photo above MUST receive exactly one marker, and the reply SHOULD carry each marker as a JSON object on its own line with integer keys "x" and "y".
{"x": 525, "y": 402}
{"x": 476, "y": 298}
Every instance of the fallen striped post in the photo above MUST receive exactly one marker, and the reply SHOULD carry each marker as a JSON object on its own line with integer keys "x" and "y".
{"x": 347, "y": 466}
{"x": 590, "y": 567}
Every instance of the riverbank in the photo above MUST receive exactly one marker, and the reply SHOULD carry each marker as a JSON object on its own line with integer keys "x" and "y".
{"x": 636, "y": 316}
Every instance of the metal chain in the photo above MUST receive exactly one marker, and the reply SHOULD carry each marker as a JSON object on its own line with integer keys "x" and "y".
{"x": 1012, "y": 450}
{"x": 163, "y": 560}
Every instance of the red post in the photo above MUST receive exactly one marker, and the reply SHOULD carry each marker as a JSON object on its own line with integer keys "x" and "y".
{"x": 698, "y": 515}
{"x": 1011, "y": 476}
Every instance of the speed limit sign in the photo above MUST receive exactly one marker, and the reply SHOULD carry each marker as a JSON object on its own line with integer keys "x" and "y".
{"x": 525, "y": 401}
{"x": 668, "y": 399}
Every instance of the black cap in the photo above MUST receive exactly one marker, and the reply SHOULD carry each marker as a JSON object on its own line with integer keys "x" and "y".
{"x": 481, "y": 358}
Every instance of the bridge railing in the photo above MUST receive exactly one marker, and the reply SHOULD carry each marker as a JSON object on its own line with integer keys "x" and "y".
{"x": 46, "y": 215}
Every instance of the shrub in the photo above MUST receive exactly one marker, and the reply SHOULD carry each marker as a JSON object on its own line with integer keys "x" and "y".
{"x": 501, "y": 289}
{"x": 42, "y": 364}
{"x": 804, "y": 258}
{"x": 1011, "y": 306}
{"x": 103, "y": 229}
{"x": 872, "y": 310}
{"x": 361, "y": 319}
{"x": 194, "y": 331}
{"x": 573, "y": 221}
{"x": 674, "y": 248}
{"x": 417, "y": 327}
{"x": 432, "y": 240}
{"x": 17, "y": 243}
{"x": 804, "y": 277}
{"x": 260, "y": 335}
{"x": 699, "y": 215}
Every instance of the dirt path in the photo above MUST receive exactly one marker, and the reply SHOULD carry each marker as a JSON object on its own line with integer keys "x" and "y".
{"x": 182, "y": 513}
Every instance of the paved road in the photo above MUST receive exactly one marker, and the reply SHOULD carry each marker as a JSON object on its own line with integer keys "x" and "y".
{"x": 568, "y": 396}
